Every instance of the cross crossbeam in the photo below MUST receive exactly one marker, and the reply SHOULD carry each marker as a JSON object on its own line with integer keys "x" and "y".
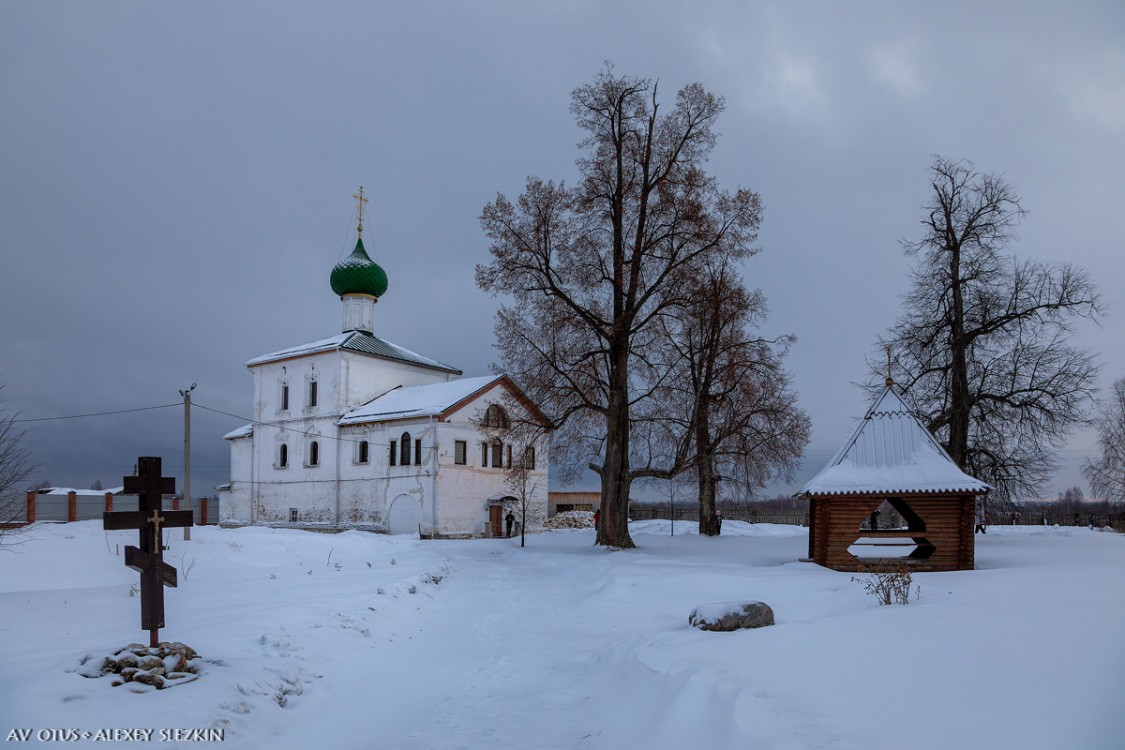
{"x": 148, "y": 558}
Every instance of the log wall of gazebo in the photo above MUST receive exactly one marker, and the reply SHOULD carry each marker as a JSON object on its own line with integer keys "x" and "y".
{"x": 944, "y": 521}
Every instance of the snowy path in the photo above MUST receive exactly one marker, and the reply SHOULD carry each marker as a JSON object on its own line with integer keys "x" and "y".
{"x": 496, "y": 698}
{"x": 471, "y": 674}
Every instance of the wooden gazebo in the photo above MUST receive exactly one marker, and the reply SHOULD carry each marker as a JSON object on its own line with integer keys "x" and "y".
{"x": 892, "y": 467}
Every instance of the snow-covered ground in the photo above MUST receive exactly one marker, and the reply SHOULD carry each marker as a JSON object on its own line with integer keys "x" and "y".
{"x": 365, "y": 641}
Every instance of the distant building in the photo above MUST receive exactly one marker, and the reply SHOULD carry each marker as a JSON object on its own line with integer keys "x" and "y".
{"x": 562, "y": 502}
{"x": 353, "y": 431}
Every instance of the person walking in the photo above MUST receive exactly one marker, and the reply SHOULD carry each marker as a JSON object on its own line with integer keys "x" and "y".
{"x": 980, "y": 529}
{"x": 718, "y": 522}
{"x": 510, "y": 520}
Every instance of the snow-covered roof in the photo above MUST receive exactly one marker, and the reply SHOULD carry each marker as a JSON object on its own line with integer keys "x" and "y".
{"x": 419, "y": 400}
{"x": 245, "y": 430}
{"x": 68, "y": 490}
{"x": 355, "y": 341}
{"x": 891, "y": 452}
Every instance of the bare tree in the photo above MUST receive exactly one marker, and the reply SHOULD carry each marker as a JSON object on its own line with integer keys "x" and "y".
{"x": 590, "y": 268}
{"x": 528, "y": 488}
{"x": 1070, "y": 502}
{"x": 15, "y": 466}
{"x": 1106, "y": 474}
{"x": 726, "y": 392}
{"x": 983, "y": 342}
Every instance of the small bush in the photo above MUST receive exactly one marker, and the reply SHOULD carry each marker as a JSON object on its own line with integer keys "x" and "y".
{"x": 889, "y": 582}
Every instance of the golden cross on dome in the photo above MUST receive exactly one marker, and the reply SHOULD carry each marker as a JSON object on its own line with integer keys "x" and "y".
{"x": 360, "y": 201}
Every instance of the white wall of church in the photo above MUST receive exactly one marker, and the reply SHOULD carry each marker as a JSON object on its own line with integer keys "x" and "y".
{"x": 333, "y": 485}
{"x": 464, "y": 492}
{"x": 236, "y": 502}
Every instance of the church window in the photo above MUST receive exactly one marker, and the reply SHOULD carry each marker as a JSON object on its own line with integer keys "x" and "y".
{"x": 394, "y": 452}
{"x": 282, "y": 456}
{"x": 529, "y": 457}
{"x": 405, "y": 448}
{"x": 496, "y": 417}
{"x": 460, "y": 449}
{"x": 484, "y": 454}
{"x": 312, "y": 393}
{"x": 363, "y": 452}
{"x": 285, "y": 397}
{"x": 314, "y": 453}
{"x": 292, "y": 515}
{"x": 497, "y": 454}
{"x": 417, "y": 451}
{"x": 509, "y": 456}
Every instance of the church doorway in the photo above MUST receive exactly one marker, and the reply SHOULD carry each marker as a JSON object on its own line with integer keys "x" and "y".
{"x": 405, "y": 515}
{"x": 495, "y": 520}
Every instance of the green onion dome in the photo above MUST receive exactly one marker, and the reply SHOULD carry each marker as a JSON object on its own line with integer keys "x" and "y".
{"x": 358, "y": 274}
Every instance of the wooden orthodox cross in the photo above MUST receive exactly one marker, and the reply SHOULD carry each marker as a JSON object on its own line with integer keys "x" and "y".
{"x": 150, "y": 520}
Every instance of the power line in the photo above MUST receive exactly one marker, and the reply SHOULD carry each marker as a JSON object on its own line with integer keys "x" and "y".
{"x": 305, "y": 433}
{"x": 98, "y": 413}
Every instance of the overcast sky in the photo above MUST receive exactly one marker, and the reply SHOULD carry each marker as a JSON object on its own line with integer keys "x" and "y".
{"x": 176, "y": 179}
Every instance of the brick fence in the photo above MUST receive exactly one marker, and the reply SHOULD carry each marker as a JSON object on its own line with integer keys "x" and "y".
{"x": 60, "y": 508}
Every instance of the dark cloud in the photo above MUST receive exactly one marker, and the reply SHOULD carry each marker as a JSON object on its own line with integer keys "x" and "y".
{"x": 176, "y": 178}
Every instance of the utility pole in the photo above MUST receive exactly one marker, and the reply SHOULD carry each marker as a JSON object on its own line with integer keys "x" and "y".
{"x": 672, "y": 507}
{"x": 187, "y": 453}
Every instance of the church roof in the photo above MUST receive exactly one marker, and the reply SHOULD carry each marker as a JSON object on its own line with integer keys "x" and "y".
{"x": 245, "y": 430}
{"x": 433, "y": 400}
{"x": 892, "y": 452}
{"x": 355, "y": 341}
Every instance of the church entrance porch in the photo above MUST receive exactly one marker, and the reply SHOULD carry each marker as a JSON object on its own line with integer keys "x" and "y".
{"x": 404, "y": 515}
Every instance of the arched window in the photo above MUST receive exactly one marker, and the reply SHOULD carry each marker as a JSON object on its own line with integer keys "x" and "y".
{"x": 496, "y": 417}
{"x": 283, "y": 456}
{"x": 314, "y": 453}
{"x": 497, "y": 454}
{"x": 364, "y": 451}
{"x": 404, "y": 446}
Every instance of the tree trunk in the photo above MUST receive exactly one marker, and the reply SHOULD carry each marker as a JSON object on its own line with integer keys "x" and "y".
{"x": 613, "y": 531}
{"x": 708, "y": 486}
{"x": 959, "y": 368}
{"x": 705, "y": 471}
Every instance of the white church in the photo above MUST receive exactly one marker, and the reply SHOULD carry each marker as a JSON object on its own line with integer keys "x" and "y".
{"x": 353, "y": 431}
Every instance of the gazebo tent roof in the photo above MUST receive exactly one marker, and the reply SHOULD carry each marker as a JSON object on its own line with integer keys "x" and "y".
{"x": 891, "y": 452}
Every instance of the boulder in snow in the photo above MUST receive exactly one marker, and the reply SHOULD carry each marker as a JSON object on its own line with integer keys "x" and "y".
{"x": 727, "y": 616}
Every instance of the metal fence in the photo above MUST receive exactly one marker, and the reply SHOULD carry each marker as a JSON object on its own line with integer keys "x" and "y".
{"x": 801, "y": 517}
{"x": 792, "y": 518}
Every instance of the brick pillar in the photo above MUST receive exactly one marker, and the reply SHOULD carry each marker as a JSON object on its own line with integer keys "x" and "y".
{"x": 109, "y": 502}
{"x": 203, "y": 512}
{"x": 31, "y": 505}
{"x": 72, "y": 506}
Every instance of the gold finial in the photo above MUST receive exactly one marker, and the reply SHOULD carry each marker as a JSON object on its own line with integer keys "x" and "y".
{"x": 889, "y": 380}
{"x": 361, "y": 201}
